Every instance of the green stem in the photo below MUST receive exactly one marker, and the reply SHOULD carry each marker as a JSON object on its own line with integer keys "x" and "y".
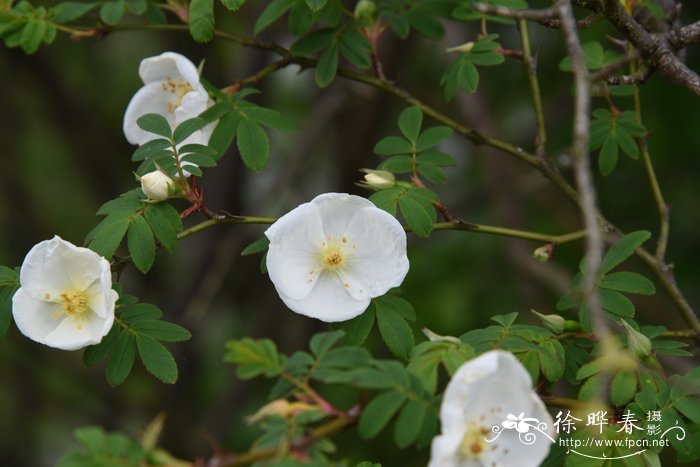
{"x": 541, "y": 140}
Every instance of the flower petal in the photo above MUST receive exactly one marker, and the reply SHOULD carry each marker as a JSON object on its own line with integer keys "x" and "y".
{"x": 377, "y": 259}
{"x": 168, "y": 65}
{"x": 70, "y": 335}
{"x": 34, "y": 317}
{"x": 328, "y": 301}
{"x": 151, "y": 98}
{"x": 444, "y": 451}
{"x": 293, "y": 261}
{"x": 337, "y": 210}
{"x": 54, "y": 266}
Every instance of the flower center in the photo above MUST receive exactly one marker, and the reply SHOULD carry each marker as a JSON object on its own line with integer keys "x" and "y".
{"x": 179, "y": 89}
{"x": 333, "y": 258}
{"x": 74, "y": 302}
{"x": 474, "y": 442}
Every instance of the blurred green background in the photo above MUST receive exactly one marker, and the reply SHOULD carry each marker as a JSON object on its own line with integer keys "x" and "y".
{"x": 63, "y": 154}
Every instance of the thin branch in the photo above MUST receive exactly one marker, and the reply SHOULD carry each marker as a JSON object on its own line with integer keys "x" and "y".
{"x": 684, "y": 334}
{"x": 685, "y": 36}
{"x": 531, "y": 68}
{"x": 606, "y": 72}
{"x": 582, "y": 170}
{"x": 546, "y": 17}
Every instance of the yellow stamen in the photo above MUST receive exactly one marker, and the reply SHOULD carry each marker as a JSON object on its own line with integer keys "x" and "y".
{"x": 74, "y": 302}
{"x": 474, "y": 442}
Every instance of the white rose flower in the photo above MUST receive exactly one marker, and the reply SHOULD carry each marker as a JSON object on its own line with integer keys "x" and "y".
{"x": 157, "y": 186}
{"x": 328, "y": 258}
{"x": 171, "y": 89}
{"x": 479, "y": 427}
{"x": 66, "y": 298}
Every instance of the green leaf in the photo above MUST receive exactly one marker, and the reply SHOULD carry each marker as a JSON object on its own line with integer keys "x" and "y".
{"x": 253, "y": 144}
{"x": 6, "y": 294}
{"x": 140, "y": 312}
{"x": 393, "y": 145}
{"x": 8, "y": 276}
{"x": 157, "y": 359}
{"x": 268, "y": 117}
{"x": 233, "y": 5}
{"x": 201, "y": 20}
{"x": 162, "y": 330}
{"x": 111, "y": 12}
{"x": 432, "y": 137}
{"x": 327, "y": 66}
{"x": 417, "y": 215}
{"x": 151, "y": 149}
{"x": 95, "y": 353}
{"x": 378, "y": 412}
{"x": 138, "y": 7}
{"x": 607, "y": 159}
{"x": 272, "y": 13}
{"x": 32, "y": 35}
{"x": 410, "y": 122}
{"x": 155, "y": 123}
{"x": 623, "y": 249}
{"x": 70, "y": 11}
{"x": 436, "y": 157}
{"x": 322, "y": 342}
{"x": 257, "y": 246}
{"x": 627, "y": 143}
{"x": 409, "y": 423}
{"x": 398, "y": 304}
{"x": 316, "y": 5}
{"x": 397, "y": 164}
{"x": 254, "y": 357}
{"x": 623, "y": 387}
{"x": 358, "y": 328}
{"x": 395, "y": 331}
{"x": 688, "y": 406}
{"x": 432, "y": 172}
{"x": 388, "y": 199}
{"x": 224, "y": 133}
{"x": 142, "y": 246}
{"x": 355, "y": 48}
{"x": 186, "y": 128}
{"x": 121, "y": 360}
{"x": 160, "y": 225}
{"x": 108, "y": 234}
{"x": 616, "y": 303}
{"x": 629, "y": 282}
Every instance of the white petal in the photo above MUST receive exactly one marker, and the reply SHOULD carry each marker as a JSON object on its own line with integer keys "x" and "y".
{"x": 168, "y": 65}
{"x": 68, "y": 335}
{"x": 377, "y": 258}
{"x": 34, "y": 317}
{"x": 328, "y": 301}
{"x": 293, "y": 261}
{"x": 337, "y": 210}
{"x": 151, "y": 98}
{"x": 54, "y": 266}
{"x": 444, "y": 451}
{"x": 192, "y": 104}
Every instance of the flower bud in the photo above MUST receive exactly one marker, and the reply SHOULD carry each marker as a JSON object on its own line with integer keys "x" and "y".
{"x": 157, "y": 186}
{"x": 280, "y": 408}
{"x": 637, "y": 342}
{"x": 464, "y": 48}
{"x": 554, "y": 323}
{"x": 379, "y": 179}
{"x": 434, "y": 337}
{"x": 543, "y": 254}
{"x": 366, "y": 9}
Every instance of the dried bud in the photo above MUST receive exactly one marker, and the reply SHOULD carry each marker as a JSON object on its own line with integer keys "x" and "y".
{"x": 637, "y": 342}
{"x": 366, "y": 9}
{"x": 379, "y": 179}
{"x": 464, "y": 48}
{"x": 281, "y": 408}
{"x": 157, "y": 186}
{"x": 554, "y": 323}
{"x": 543, "y": 254}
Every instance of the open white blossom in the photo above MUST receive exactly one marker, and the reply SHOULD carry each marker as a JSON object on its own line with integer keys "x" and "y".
{"x": 171, "y": 89}
{"x": 491, "y": 417}
{"x": 328, "y": 258}
{"x": 65, "y": 299}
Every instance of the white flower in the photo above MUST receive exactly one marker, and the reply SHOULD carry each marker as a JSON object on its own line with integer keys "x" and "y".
{"x": 66, "y": 298}
{"x": 479, "y": 425}
{"x": 171, "y": 89}
{"x": 157, "y": 186}
{"x": 328, "y": 258}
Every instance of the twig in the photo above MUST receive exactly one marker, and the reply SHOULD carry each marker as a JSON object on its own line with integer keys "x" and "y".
{"x": 546, "y": 17}
{"x": 530, "y": 67}
{"x": 582, "y": 171}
